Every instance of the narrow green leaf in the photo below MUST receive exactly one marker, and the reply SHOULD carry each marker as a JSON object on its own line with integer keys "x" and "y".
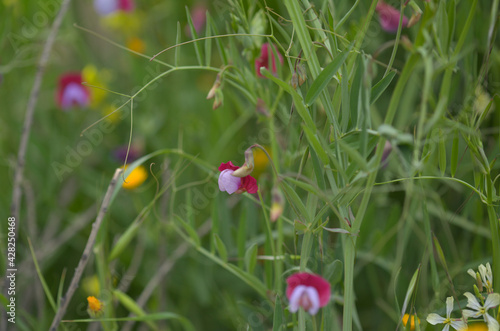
{"x": 61, "y": 288}
{"x": 222, "y": 51}
{"x": 124, "y": 241}
{"x": 132, "y": 306}
{"x": 438, "y": 251}
{"x": 442, "y": 152}
{"x": 355, "y": 92}
{"x": 251, "y": 258}
{"x": 45, "y": 287}
{"x": 278, "y": 315}
{"x": 354, "y": 155}
{"x": 346, "y": 104}
{"x": 221, "y": 248}
{"x": 194, "y": 35}
{"x": 381, "y": 86}
{"x": 442, "y": 27}
{"x": 451, "y": 19}
{"x": 208, "y": 41}
{"x": 177, "y": 42}
{"x": 325, "y": 76}
{"x": 294, "y": 201}
{"x": 454, "y": 154}
{"x": 316, "y": 145}
{"x": 299, "y": 227}
{"x": 189, "y": 229}
{"x": 409, "y": 291}
{"x": 297, "y": 99}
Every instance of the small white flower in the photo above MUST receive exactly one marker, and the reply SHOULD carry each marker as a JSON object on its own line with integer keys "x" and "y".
{"x": 486, "y": 276}
{"x": 457, "y": 324}
{"x": 492, "y": 301}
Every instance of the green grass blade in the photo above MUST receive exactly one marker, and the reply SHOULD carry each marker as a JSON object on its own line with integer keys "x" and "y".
{"x": 194, "y": 35}
{"x": 46, "y": 288}
{"x": 381, "y": 86}
{"x": 208, "y": 41}
{"x": 325, "y": 76}
{"x": 221, "y": 248}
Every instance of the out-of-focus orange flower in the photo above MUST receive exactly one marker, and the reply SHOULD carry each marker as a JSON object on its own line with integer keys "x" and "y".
{"x": 95, "y": 306}
{"x": 136, "y": 44}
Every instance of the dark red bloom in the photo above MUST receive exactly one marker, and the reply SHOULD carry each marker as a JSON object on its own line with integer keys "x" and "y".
{"x": 263, "y": 61}
{"x": 232, "y": 184}
{"x": 71, "y": 92}
{"x": 308, "y": 291}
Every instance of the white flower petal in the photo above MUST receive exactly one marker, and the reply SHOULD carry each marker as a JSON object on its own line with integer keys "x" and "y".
{"x": 492, "y": 323}
{"x": 295, "y": 298}
{"x": 492, "y": 300}
{"x": 228, "y": 183}
{"x": 435, "y": 319}
{"x": 472, "y": 273}
{"x": 312, "y": 293}
{"x": 459, "y": 325}
{"x": 470, "y": 313}
{"x": 446, "y": 327}
{"x": 449, "y": 306}
{"x": 472, "y": 301}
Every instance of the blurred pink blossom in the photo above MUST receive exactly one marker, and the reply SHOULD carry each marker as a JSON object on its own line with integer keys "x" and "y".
{"x": 389, "y": 17}
{"x": 309, "y": 291}
{"x": 263, "y": 60}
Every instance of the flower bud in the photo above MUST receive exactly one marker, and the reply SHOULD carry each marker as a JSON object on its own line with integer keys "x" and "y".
{"x": 247, "y": 167}
{"x": 219, "y": 98}
{"x": 215, "y": 87}
{"x": 301, "y": 73}
{"x": 278, "y": 204}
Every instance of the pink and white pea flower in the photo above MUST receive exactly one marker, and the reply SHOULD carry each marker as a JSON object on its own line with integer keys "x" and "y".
{"x": 71, "y": 92}
{"x": 232, "y": 184}
{"x": 309, "y": 291}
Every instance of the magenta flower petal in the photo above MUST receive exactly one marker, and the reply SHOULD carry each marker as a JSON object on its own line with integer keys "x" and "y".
{"x": 126, "y": 5}
{"x": 249, "y": 184}
{"x": 228, "y": 183}
{"x": 227, "y": 165}
{"x": 389, "y": 17}
{"x": 263, "y": 60}
{"x": 321, "y": 285}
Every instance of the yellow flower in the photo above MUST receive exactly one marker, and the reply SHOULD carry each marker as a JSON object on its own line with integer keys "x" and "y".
{"x": 91, "y": 285}
{"x": 136, "y": 178}
{"x": 260, "y": 161}
{"x": 412, "y": 325}
{"x": 95, "y": 306}
{"x": 92, "y": 76}
{"x": 476, "y": 327}
{"x": 114, "y": 117}
{"x": 136, "y": 44}
{"x": 128, "y": 23}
